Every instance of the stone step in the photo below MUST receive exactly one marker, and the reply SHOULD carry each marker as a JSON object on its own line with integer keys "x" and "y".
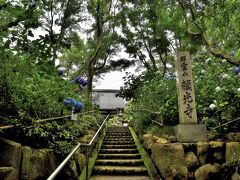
{"x": 118, "y": 142}
{"x": 118, "y": 139}
{"x": 117, "y": 146}
{"x": 118, "y": 129}
{"x": 120, "y": 162}
{"x": 119, "y": 156}
{"x": 118, "y": 134}
{"x": 118, "y": 151}
{"x": 120, "y": 177}
{"x": 115, "y": 136}
{"x": 117, "y": 170}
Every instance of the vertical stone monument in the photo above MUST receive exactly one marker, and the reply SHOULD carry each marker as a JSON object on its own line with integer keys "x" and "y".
{"x": 188, "y": 130}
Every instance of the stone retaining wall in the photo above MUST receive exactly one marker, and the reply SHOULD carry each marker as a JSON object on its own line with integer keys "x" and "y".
{"x": 201, "y": 160}
{"x": 23, "y": 162}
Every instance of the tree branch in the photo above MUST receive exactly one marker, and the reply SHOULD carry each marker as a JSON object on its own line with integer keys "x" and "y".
{"x": 98, "y": 35}
{"x": 186, "y": 20}
{"x": 148, "y": 48}
{"x": 203, "y": 36}
{"x": 146, "y": 64}
{"x": 217, "y": 53}
{"x": 150, "y": 54}
{"x": 105, "y": 58}
{"x": 51, "y": 12}
{"x": 27, "y": 14}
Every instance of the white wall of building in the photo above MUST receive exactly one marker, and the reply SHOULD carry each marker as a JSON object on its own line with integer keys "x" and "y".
{"x": 106, "y": 99}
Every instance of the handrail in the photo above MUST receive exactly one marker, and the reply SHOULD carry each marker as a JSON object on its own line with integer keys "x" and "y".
{"x": 37, "y": 121}
{"x": 226, "y": 123}
{"x": 59, "y": 168}
{"x": 94, "y": 137}
{"x": 44, "y": 120}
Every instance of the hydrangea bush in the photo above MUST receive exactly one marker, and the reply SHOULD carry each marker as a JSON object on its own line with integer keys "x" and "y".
{"x": 217, "y": 95}
{"x": 217, "y": 90}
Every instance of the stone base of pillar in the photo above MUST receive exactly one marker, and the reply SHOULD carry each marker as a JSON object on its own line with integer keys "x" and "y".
{"x": 189, "y": 133}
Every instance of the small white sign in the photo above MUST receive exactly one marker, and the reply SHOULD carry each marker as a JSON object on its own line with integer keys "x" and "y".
{"x": 74, "y": 116}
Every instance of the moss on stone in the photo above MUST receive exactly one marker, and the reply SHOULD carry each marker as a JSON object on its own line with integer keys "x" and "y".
{"x": 229, "y": 168}
{"x": 92, "y": 159}
{"x": 146, "y": 158}
{"x": 156, "y": 130}
{"x": 232, "y": 151}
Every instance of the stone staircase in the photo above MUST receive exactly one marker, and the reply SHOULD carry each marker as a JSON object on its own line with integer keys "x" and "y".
{"x": 118, "y": 158}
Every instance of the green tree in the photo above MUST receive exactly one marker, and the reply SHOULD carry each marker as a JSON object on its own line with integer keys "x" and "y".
{"x": 101, "y": 44}
{"x": 76, "y": 56}
{"x": 213, "y": 24}
{"x": 144, "y": 34}
{"x": 209, "y": 31}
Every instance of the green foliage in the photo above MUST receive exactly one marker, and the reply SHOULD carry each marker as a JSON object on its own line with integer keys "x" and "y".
{"x": 217, "y": 96}
{"x": 188, "y": 27}
{"x": 33, "y": 92}
{"x": 145, "y": 156}
{"x": 92, "y": 159}
{"x": 60, "y": 135}
{"x": 144, "y": 33}
{"x": 154, "y": 99}
{"x": 151, "y": 32}
{"x": 131, "y": 83}
{"x": 76, "y": 55}
{"x": 112, "y": 120}
{"x": 216, "y": 83}
{"x": 32, "y": 35}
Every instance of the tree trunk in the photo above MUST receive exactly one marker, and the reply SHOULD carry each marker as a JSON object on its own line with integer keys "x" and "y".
{"x": 90, "y": 81}
{"x": 93, "y": 59}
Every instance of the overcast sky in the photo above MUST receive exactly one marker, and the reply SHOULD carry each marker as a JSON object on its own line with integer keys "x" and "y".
{"x": 111, "y": 80}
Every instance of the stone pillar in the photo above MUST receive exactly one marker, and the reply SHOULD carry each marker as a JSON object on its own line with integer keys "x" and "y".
{"x": 188, "y": 130}
{"x": 119, "y": 119}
